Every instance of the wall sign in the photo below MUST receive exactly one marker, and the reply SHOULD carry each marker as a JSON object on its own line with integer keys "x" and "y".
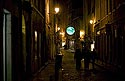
{"x": 70, "y": 30}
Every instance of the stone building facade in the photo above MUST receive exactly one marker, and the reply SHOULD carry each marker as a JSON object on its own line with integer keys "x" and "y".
{"x": 108, "y": 34}
{"x": 23, "y": 39}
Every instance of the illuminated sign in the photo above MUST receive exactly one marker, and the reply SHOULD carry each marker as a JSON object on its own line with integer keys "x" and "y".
{"x": 70, "y": 30}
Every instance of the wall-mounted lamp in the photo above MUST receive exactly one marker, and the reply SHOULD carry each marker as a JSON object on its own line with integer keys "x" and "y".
{"x": 58, "y": 28}
{"x": 91, "y": 21}
{"x": 98, "y": 32}
{"x": 82, "y": 33}
{"x": 56, "y": 10}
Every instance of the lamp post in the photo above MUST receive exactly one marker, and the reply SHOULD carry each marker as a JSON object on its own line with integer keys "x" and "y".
{"x": 58, "y": 59}
{"x": 56, "y": 31}
{"x": 92, "y": 34}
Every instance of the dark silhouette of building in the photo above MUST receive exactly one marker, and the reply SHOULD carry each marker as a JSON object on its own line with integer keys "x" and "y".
{"x": 107, "y": 30}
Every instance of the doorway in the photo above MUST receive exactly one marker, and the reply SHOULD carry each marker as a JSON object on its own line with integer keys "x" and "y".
{"x": 7, "y": 62}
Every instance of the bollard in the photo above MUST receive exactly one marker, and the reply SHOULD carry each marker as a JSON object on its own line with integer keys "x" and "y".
{"x": 58, "y": 65}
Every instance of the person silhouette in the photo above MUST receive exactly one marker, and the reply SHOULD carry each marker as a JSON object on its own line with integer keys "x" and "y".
{"x": 78, "y": 57}
{"x": 86, "y": 56}
{"x": 93, "y": 57}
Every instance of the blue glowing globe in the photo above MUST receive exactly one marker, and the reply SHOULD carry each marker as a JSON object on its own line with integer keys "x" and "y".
{"x": 70, "y": 30}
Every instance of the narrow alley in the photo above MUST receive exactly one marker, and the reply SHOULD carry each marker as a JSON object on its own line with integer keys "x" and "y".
{"x": 69, "y": 73}
{"x": 33, "y": 31}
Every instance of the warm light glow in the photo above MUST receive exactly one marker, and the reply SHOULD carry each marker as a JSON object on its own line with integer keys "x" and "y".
{"x": 98, "y": 33}
{"x": 94, "y": 21}
{"x": 35, "y": 35}
{"x": 62, "y": 33}
{"x": 82, "y": 33}
{"x": 92, "y": 47}
{"x": 56, "y": 10}
{"x": 91, "y": 21}
{"x": 63, "y": 43}
{"x": 58, "y": 28}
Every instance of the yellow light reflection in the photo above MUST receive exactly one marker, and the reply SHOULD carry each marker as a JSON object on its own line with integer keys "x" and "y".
{"x": 82, "y": 33}
{"x": 62, "y": 33}
{"x": 56, "y": 10}
{"x": 91, "y": 21}
{"x": 58, "y": 28}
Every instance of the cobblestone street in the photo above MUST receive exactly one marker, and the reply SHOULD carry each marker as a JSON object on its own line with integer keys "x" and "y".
{"x": 69, "y": 72}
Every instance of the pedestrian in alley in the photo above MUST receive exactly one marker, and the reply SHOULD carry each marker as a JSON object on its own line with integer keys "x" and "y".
{"x": 86, "y": 56}
{"x": 78, "y": 57}
{"x": 93, "y": 58}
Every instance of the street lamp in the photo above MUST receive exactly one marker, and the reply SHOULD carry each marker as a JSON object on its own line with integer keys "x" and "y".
{"x": 58, "y": 59}
{"x": 56, "y": 10}
{"x": 55, "y": 19}
{"x": 55, "y": 28}
{"x": 92, "y": 34}
{"x": 58, "y": 28}
{"x": 91, "y": 21}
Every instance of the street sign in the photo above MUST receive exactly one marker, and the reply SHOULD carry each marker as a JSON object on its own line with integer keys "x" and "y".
{"x": 70, "y": 30}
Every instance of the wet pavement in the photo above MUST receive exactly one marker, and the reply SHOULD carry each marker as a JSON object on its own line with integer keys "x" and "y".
{"x": 69, "y": 72}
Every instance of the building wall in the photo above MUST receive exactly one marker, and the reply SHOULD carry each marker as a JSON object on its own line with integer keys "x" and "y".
{"x": 50, "y": 27}
{"x": 11, "y": 41}
{"x": 31, "y": 38}
{"x": 1, "y": 40}
{"x": 39, "y": 55}
{"x": 109, "y": 31}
